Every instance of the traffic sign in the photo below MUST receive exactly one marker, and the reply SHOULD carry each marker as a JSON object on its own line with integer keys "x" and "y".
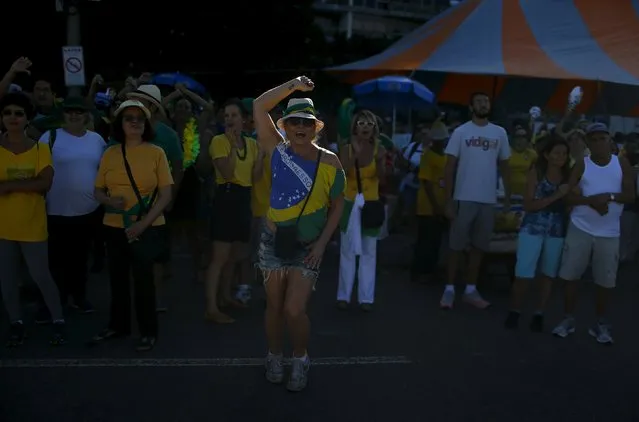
{"x": 73, "y": 64}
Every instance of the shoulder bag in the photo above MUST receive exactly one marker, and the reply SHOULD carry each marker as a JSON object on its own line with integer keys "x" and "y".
{"x": 287, "y": 244}
{"x": 150, "y": 245}
{"x": 373, "y": 212}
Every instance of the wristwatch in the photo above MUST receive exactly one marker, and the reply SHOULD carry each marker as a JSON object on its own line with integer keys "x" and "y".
{"x": 612, "y": 197}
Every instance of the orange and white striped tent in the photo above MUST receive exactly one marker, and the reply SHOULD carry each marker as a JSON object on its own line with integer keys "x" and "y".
{"x": 496, "y": 46}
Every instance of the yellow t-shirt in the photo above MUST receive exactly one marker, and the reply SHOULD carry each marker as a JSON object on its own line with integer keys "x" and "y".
{"x": 431, "y": 169}
{"x": 24, "y": 214}
{"x": 370, "y": 181}
{"x": 520, "y": 163}
{"x": 150, "y": 170}
{"x": 221, "y": 148}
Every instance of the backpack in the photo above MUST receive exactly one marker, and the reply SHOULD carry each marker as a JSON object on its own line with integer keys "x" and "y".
{"x": 53, "y": 134}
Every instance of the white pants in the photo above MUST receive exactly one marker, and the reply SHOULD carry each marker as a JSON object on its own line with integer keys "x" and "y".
{"x": 366, "y": 274}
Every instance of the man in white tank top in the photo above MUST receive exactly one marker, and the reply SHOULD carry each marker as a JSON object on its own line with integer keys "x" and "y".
{"x": 605, "y": 182}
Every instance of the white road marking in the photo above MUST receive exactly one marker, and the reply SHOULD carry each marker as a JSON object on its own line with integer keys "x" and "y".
{"x": 182, "y": 362}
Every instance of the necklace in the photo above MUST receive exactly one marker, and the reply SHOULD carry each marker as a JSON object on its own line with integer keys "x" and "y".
{"x": 244, "y": 150}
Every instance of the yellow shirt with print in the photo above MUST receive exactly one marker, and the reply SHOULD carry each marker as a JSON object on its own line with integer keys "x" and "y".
{"x": 520, "y": 163}
{"x": 431, "y": 169}
{"x": 150, "y": 170}
{"x": 24, "y": 214}
{"x": 368, "y": 175}
{"x": 244, "y": 159}
{"x": 261, "y": 192}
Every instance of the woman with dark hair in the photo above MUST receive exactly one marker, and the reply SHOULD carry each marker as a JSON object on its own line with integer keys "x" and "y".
{"x": 542, "y": 231}
{"x": 134, "y": 184}
{"x": 26, "y": 174}
{"x": 307, "y": 198}
{"x": 238, "y": 164}
{"x": 363, "y": 162}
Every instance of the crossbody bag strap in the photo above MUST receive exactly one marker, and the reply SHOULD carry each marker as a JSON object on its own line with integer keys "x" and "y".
{"x": 358, "y": 176}
{"x": 134, "y": 186}
{"x": 310, "y": 191}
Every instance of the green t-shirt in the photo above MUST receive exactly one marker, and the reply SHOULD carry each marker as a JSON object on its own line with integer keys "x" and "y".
{"x": 167, "y": 139}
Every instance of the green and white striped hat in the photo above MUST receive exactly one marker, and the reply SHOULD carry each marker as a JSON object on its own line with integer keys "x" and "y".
{"x": 303, "y": 108}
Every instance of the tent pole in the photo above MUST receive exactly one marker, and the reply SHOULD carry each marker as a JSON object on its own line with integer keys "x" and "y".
{"x": 394, "y": 118}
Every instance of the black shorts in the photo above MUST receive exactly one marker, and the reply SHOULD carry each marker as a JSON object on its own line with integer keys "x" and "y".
{"x": 231, "y": 216}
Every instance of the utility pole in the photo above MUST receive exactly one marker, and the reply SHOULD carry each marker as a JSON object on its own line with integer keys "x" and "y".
{"x": 73, "y": 35}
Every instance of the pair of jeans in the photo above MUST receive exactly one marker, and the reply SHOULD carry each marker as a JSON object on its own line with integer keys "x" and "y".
{"x": 122, "y": 265}
{"x": 70, "y": 241}
{"x": 430, "y": 232}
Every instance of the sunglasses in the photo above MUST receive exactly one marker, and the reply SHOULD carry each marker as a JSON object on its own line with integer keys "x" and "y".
{"x": 297, "y": 121}
{"x": 133, "y": 119}
{"x": 363, "y": 123}
{"x": 16, "y": 113}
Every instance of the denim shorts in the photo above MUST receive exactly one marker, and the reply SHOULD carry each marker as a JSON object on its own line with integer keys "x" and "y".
{"x": 541, "y": 253}
{"x": 269, "y": 262}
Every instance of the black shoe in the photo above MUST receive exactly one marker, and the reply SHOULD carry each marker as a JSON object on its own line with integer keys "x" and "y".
{"x": 342, "y": 305}
{"x": 83, "y": 306}
{"x": 59, "y": 334}
{"x": 105, "y": 335}
{"x": 537, "y": 323}
{"x": 512, "y": 321}
{"x": 146, "y": 344}
{"x": 366, "y": 307}
{"x": 16, "y": 335}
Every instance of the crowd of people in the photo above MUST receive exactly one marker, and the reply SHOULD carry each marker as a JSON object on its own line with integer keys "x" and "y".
{"x": 126, "y": 176}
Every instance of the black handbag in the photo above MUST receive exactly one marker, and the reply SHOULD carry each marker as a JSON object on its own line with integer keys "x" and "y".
{"x": 287, "y": 243}
{"x": 150, "y": 245}
{"x": 373, "y": 212}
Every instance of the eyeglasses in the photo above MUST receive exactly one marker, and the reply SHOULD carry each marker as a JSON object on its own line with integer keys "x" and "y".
{"x": 297, "y": 121}
{"x": 133, "y": 119}
{"x": 363, "y": 123}
{"x": 16, "y": 113}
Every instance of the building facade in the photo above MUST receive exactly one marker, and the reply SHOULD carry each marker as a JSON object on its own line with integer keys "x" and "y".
{"x": 375, "y": 18}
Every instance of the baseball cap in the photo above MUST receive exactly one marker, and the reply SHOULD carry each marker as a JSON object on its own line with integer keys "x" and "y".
{"x": 596, "y": 127}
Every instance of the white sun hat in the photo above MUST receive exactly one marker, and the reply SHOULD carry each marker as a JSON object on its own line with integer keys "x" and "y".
{"x": 133, "y": 103}
{"x": 149, "y": 93}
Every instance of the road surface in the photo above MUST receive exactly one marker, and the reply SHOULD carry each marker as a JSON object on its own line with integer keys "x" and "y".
{"x": 406, "y": 361}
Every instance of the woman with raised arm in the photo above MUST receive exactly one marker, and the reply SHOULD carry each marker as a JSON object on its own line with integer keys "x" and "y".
{"x": 307, "y": 197}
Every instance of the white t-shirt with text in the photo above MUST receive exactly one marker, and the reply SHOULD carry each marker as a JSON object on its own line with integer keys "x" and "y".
{"x": 478, "y": 149}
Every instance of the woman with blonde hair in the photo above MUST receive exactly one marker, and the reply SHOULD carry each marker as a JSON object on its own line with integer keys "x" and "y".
{"x": 304, "y": 210}
{"x": 363, "y": 216}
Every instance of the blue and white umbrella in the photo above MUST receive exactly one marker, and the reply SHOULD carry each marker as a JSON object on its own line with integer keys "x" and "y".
{"x": 392, "y": 92}
{"x": 171, "y": 79}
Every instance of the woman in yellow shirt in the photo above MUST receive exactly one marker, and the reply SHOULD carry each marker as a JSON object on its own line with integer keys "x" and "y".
{"x": 26, "y": 174}
{"x": 134, "y": 184}
{"x": 521, "y": 160}
{"x": 432, "y": 225}
{"x": 235, "y": 158}
{"x": 304, "y": 210}
{"x": 364, "y": 155}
